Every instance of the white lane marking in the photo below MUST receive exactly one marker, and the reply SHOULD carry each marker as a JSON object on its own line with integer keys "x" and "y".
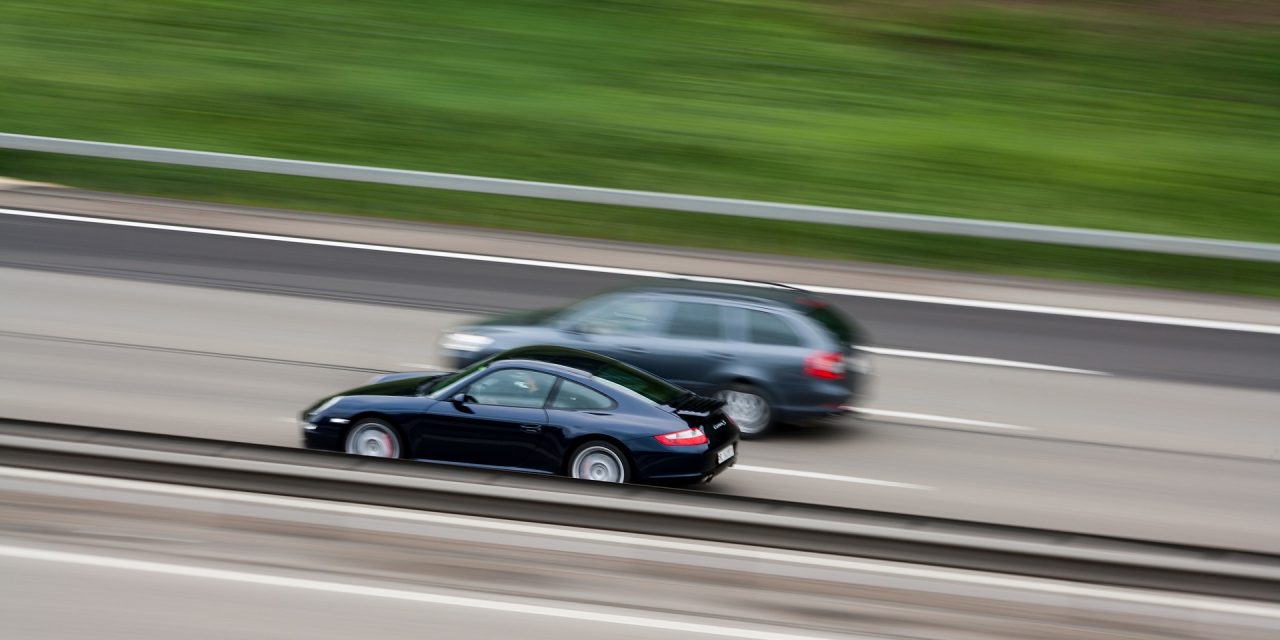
{"x": 188, "y": 571}
{"x": 812, "y": 475}
{"x": 1198, "y": 323}
{"x": 950, "y": 357}
{"x": 1199, "y": 603}
{"x": 1074, "y": 312}
{"x": 885, "y": 413}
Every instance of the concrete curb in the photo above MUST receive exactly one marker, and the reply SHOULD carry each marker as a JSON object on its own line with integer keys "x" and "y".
{"x": 635, "y": 509}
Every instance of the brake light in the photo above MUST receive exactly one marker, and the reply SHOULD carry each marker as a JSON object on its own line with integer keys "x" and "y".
{"x": 828, "y": 366}
{"x": 685, "y": 438}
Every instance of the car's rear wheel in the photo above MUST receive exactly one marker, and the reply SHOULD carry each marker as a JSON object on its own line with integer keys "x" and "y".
{"x": 749, "y": 409}
{"x": 374, "y": 437}
{"x": 599, "y": 461}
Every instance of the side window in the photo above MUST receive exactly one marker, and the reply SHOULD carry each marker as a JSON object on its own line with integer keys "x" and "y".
{"x": 575, "y": 397}
{"x": 695, "y": 320}
{"x": 513, "y": 388}
{"x": 626, "y": 317}
{"x": 768, "y": 328}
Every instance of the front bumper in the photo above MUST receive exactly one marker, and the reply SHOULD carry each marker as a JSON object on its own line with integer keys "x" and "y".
{"x": 322, "y": 434}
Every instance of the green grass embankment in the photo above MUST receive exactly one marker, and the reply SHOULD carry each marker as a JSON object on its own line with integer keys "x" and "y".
{"x": 1159, "y": 117}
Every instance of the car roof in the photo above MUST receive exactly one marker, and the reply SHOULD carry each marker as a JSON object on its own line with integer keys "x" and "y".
{"x": 749, "y": 290}
{"x": 558, "y": 356}
{"x": 541, "y": 365}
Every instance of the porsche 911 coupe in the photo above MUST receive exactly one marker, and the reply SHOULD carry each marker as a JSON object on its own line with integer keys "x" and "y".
{"x": 539, "y": 409}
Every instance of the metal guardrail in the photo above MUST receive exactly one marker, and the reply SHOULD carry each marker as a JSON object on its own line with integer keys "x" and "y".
{"x": 1094, "y": 238}
{"x": 738, "y": 520}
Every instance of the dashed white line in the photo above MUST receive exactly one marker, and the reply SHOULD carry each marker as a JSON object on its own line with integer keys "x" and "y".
{"x": 995, "y": 362}
{"x": 838, "y": 291}
{"x": 307, "y": 584}
{"x": 926, "y": 417}
{"x": 813, "y": 475}
{"x": 1218, "y": 605}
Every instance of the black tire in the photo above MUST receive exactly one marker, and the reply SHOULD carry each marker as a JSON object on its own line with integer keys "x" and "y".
{"x": 374, "y": 437}
{"x": 750, "y": 409}
{"x": 599, "y": 461}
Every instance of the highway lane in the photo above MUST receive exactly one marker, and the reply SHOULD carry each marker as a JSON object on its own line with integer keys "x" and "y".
{"x": 1202, "y": 356}
{"x": 148, "y": 561}
{"x": 42, "y": 308}
{"x": 238, "y": 366}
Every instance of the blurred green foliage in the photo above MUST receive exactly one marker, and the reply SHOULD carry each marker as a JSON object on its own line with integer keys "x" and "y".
{"x": 1149, "y": 115}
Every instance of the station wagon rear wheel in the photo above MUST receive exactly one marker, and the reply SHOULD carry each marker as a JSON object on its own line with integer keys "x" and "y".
{"x": 599, "y": 461}
{"x": 748, "y": 408}
{"x": 373, "y": 437}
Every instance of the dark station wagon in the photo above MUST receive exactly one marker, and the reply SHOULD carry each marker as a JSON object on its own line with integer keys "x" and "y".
{"x": 772, "y": 353}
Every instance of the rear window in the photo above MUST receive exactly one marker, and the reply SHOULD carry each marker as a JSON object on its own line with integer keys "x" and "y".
{"x": 649, "y": 386}
{"x": 823, "y": 314}
{"x": 575, "y": 397}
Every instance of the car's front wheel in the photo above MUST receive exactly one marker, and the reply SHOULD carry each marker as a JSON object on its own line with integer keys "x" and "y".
{"x": 373, "y": 437}
{"x": 749, "y": 409}
{"x": 599, "y": 461}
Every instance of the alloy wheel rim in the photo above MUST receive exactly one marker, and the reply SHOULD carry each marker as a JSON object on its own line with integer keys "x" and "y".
{"x": 375, "y": 442}
{"x": 598, "y": 464}
{"x": 748, "y": 410}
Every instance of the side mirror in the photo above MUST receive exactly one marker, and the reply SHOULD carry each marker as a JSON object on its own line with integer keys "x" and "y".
{"x": 461, "y": 399}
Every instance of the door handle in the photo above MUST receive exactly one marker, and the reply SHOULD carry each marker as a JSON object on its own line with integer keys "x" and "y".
{"x": 635, "y": 349}
{"x": 720, "y": 355}
{"x": 531, "y": 428}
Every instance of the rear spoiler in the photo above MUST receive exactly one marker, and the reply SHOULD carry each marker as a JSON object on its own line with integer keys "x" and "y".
{"x": 695, "y": 405}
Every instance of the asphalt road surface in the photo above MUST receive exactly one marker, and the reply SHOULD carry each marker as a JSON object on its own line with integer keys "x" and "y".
{"x": 1150, "y": 450}
{"x": 149, "y": 561}
{"x": 1202, "y": 356}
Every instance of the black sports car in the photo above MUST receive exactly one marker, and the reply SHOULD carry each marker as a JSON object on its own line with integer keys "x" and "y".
{"x": 539, "y": 409}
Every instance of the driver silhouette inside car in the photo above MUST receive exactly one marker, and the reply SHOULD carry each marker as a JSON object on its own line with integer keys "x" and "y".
{"x": 516, "y": 388}
{"x": 526, "y": 382}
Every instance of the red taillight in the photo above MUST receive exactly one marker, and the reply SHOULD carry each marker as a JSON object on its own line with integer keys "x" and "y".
{"x": 828, "y": 366}
{"x": 684, "y": 438}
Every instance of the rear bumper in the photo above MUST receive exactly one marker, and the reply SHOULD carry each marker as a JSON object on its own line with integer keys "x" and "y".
{"x": 688, "y": 479}
{"x": 820, "y": 400}
{"x": 805, "y": 414}
{"x": 658, "y": 464}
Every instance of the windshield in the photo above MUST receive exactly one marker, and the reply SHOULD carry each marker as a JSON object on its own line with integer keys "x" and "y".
{"x": 436, "y": 384}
